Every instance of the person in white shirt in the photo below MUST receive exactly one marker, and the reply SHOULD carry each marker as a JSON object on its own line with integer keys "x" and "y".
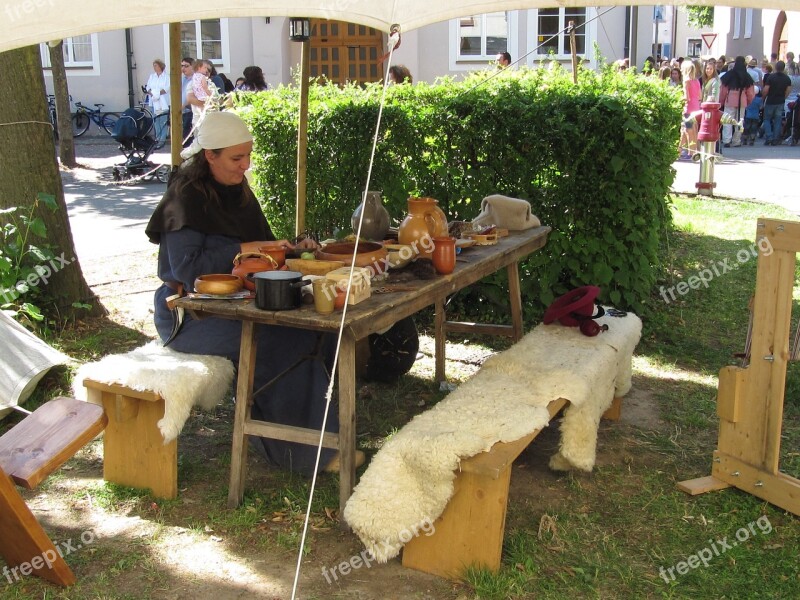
{"x": 755, "y": 73}
{"x": 158, "y": 92}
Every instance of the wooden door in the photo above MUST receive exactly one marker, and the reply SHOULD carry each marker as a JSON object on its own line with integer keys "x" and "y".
{"x": 342, "y": 52}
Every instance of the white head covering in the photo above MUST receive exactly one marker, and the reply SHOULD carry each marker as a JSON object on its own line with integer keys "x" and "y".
{"x": 218, "y": 130}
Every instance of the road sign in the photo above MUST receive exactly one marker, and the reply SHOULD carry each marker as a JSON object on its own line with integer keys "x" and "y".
{"x": 658, "y": 14}
{"x": 708, "y": 39}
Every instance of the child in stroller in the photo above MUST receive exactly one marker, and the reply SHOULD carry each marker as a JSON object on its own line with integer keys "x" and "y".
{"x": 133, "y": 131}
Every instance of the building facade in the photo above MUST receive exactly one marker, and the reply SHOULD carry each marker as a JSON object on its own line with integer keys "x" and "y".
{"x": 111, "y": 67}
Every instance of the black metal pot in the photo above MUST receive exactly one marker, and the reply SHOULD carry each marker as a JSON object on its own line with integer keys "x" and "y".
{"x": 278, "y": 290}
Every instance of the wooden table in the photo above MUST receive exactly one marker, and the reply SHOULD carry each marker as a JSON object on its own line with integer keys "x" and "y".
{"x": 370, "y": 316}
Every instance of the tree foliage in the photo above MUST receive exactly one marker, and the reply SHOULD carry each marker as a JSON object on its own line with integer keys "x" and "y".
{"x": 700, "y": 16}
{"x": 593, "y": 158}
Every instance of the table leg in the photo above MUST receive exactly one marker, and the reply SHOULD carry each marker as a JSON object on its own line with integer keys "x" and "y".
{"x": 440, "y": 338}
{"x": 244, "y": 399}
{"x": 347, "y": 419}
{"x": 515, "y": 299}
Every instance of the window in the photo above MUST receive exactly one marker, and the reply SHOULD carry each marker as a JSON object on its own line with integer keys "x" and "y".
{"x": 482, "y": 37}
{"x": 737, "y": 22}
{"x": 748, "y": 22}
{"x": 79, "y": 52}
{"x": 694, "y": 48}
{"x": 206, "y": 38}
{"x": 550, "y": 35}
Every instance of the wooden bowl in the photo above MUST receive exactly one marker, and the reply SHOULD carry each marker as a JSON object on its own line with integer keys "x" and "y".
{"x": 313, "y": 267}
{"x": 370, "y": 255}
{"x": 399, "y": 255}
{"x": 218, "y": 284}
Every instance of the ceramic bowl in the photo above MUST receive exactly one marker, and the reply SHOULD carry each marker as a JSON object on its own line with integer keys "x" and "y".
{"x": 218, "y": 284}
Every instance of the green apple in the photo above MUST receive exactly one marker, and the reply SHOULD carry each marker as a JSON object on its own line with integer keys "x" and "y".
{"x": 307, "y": 256}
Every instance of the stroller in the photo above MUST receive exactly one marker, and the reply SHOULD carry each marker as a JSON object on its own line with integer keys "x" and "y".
{"x": 133, "y": 131}
{"x": 792, "y": 127}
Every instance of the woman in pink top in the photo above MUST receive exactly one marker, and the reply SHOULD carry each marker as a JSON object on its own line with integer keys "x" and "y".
{"x": 691, "y": 104}
{"x": 736, "y": 92}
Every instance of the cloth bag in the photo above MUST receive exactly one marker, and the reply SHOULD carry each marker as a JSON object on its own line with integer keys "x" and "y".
{"x": 507, "y": 213}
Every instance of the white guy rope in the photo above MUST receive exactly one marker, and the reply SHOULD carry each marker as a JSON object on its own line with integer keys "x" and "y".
{"x": 393, "y": 41}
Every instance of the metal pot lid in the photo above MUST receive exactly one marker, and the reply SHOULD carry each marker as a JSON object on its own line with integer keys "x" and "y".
{"x": 278, "y": 275}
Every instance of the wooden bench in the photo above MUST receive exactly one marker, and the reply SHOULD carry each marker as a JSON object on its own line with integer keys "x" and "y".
{"x": 470, "y": 531}
{"x": 29, "y": 452}
{"x": 134, "y": 452}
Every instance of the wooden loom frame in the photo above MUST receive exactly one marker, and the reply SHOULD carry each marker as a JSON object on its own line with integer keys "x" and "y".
{"x": 750, "y": 399}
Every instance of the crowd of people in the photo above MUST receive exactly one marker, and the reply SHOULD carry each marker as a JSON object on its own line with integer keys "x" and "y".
{"x": 200, "y": 82}
{"x": 758, "y": 100}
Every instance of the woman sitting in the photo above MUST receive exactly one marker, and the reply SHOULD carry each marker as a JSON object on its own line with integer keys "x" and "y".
{"x": 207, "y": 216}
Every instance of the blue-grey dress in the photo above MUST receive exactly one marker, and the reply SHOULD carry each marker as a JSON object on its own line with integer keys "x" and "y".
{"x": 297, "y": 398}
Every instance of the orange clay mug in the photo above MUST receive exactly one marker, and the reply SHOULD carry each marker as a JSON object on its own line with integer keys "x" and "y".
{"x": 444, "y": 255}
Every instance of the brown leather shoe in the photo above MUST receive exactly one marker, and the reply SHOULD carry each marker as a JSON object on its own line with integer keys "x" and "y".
{"x": 333, "y": 465}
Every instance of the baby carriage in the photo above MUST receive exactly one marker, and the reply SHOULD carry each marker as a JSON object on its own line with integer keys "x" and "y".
{"x": 133, "y": 131}
{"x": 792, "y": 128}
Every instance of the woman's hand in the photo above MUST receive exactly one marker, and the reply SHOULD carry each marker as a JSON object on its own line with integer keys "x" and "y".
{"x": 248, "y": 247}
{"x": 306, "y": 244}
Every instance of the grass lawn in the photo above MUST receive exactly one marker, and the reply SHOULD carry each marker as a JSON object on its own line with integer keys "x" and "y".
{"x": 622, "y": 531}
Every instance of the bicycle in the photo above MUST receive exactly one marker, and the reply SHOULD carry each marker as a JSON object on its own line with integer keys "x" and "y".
{"x": 159, "y": 121}
{"x": 84, "y": 116}
{"x": 51, "y": 110}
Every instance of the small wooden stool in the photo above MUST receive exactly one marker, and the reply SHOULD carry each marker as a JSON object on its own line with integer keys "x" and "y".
{"x": 134, "y": 452}
{"x": 33, "y": 449}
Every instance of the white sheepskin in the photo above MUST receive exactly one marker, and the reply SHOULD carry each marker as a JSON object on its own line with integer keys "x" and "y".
{"x": 183, "y": 380}
{"x": 410, "y": 480}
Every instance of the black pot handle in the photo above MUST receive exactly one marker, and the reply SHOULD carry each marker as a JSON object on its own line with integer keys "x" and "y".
{"x": 300, "y": 283}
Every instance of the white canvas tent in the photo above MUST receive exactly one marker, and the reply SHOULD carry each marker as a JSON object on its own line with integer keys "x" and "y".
{"x": 34, "y": 21}
{"x": 24, "y": 360}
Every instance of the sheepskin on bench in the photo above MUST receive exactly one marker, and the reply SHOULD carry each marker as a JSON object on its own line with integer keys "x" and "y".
{"x": 410, "y": 480}
{"x": 182, "y": 380}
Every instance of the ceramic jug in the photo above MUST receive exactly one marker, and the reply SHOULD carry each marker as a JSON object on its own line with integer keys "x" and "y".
{"x": 376, "y": 217}
{"x": 425, "y": 221}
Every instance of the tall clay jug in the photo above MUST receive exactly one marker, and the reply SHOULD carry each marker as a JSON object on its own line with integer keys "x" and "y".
{"x": 376, "y": 217}
{"x": 425, "y": 221}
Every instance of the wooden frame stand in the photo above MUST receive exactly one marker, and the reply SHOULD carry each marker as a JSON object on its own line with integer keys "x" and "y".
{"x": 134, "y": 452}
{"x": 750, "y": 399}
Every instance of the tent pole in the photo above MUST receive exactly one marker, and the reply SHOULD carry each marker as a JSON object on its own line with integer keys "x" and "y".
{"x": 573, "y": 48}
{"x": 175, "y": 93}
{"x": 302, "y": 139}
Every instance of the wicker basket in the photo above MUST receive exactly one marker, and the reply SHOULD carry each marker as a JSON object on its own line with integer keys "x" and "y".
{"x": 313, "y": 267}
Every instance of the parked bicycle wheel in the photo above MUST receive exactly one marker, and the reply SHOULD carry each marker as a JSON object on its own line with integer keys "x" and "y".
{"x": 80, "y": 123}
{"x": 109, "y": 121}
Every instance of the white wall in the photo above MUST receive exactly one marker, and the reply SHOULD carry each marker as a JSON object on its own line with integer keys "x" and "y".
{"x": 107, "y": 83}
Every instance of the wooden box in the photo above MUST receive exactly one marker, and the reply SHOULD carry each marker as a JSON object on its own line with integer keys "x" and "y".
{"x": 360, "y": 289}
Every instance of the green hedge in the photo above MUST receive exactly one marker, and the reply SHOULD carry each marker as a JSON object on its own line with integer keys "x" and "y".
{"x": 593, "y": 158}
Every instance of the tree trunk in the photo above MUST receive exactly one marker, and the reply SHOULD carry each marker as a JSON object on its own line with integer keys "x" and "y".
{"x": 66, "y": 143}
{"x": 29, "y": 167}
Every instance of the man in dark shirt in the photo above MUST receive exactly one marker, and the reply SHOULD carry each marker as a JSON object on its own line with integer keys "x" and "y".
{"x": 777, "y": 86}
